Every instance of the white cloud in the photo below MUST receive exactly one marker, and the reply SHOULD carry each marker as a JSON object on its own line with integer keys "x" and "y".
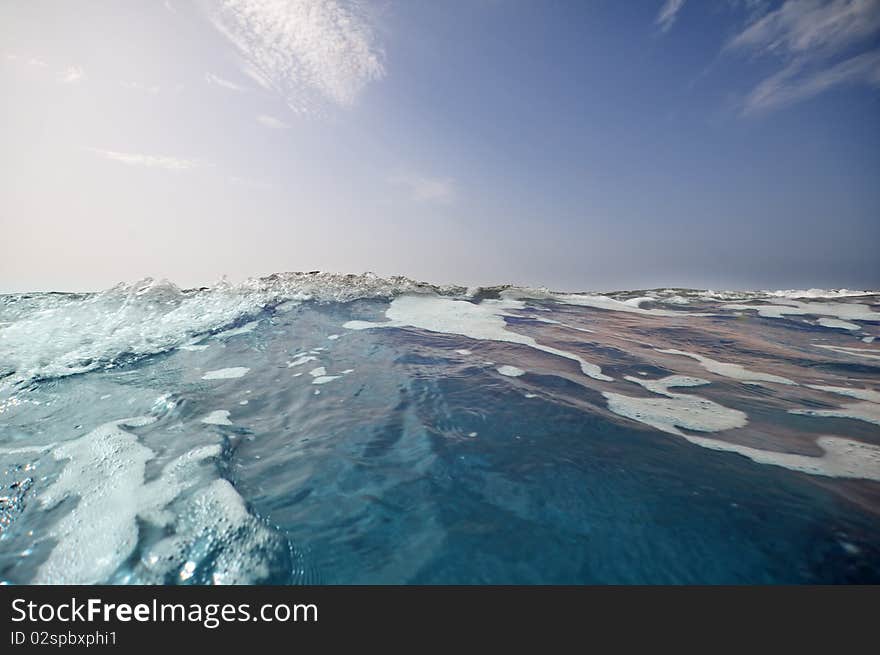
{"x": 668, "y": 14}
{"x": 810, "y": 37}
{"x": 272, "y": 122}
{"x": 151, "y": 161}
{"x": 426, "y": 189}
{"x": 216, "y": 80}
{"x": 71, "y": 75}
{"x": 788, "y": 86}
{"x": 307, "y": 51}
{"x": 811, "y": 26}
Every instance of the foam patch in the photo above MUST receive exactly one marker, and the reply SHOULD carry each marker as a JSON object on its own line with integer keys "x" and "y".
{"x": 219, "y": 417}
{"x": 226, "y": 373}
{"x": 105, "y": 473}
{"x": 484, "y": 321}
{"x": 677, "y": 411}
{"x": 836, "y": 323}
{"x": 729, "y": 370}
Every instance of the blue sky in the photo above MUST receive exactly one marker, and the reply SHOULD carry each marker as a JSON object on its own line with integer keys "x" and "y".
{"x": 575, "y": 145}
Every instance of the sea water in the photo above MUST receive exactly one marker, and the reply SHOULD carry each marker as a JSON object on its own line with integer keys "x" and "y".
{"x": 318, "y": 428}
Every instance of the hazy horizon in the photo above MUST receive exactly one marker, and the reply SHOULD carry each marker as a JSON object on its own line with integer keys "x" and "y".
{"x": 732, "y": 144}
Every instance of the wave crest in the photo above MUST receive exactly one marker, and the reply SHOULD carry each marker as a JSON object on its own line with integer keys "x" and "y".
{"x": 58, "y": 334}
{"x": 47, "y": 335}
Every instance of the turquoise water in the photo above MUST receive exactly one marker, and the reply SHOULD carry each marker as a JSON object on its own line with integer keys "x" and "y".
{"x": 359, "y": 430}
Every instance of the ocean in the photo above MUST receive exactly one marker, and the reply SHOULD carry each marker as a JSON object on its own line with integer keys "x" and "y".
{"x": 315, "y": 428}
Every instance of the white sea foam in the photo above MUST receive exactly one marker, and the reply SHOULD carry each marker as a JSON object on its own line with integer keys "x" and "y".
{"x": 817, "y": 293}
{"x": 79, "y": 334}
{"x": 676, "y": 411}
{"x": 868, "y": 339}
{"x": 213, "y": 529}
{"x": 324, "y": 379}
{"x": 862, "y": 394}
{"x": 219, "y": 511}
{"x": 729, "y": 370}
{"x": 852, "y": 352}
{"x": 28, "y": 450}
{"x": 333, "y": 337}
{"x": 836, "y": 323}
{"x": 550, "y": 321}
{"x": 483, "y": 321}
{"x": 318, "y": 372}
{"x": 194, "y": 346}
{"x": 860, "y": 411}
{"x": 54, "y": 335}
{"x": 510, "y": 371}
{"x": 218, "y": 417}
{"x": 233, "y": 332}
{"x": 868, "y": 410}
{"x": 226, "y": 373}
{"x": 842, "y": 458}
{"x": 302, "y": 359}
{"x": 848, "y": 311}
{"x": 105, "y": 471}
{"x": 662, "y": 386}
{"x": 780, "y": 293}
{"x": 630, "y": 305}
{"x": 464, "y": 351}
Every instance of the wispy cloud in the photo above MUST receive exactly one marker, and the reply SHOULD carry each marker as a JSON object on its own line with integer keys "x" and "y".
{"x": 668, "y": 14}
{"x": 816, "y": 27}
{"x": 426, "y": 189}
{"x": 71, "y": 75}
{"x": 789, "y": 86}
{"x": 216, "y": 80}
{"x": 272, "y": 122}
{"x": 814, "y": 41}
{"x": 150, "y": 161}
{"x": 307, "y": 51}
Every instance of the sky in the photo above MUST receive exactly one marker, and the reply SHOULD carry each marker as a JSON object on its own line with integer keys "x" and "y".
{"x": 604, "y": 145}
